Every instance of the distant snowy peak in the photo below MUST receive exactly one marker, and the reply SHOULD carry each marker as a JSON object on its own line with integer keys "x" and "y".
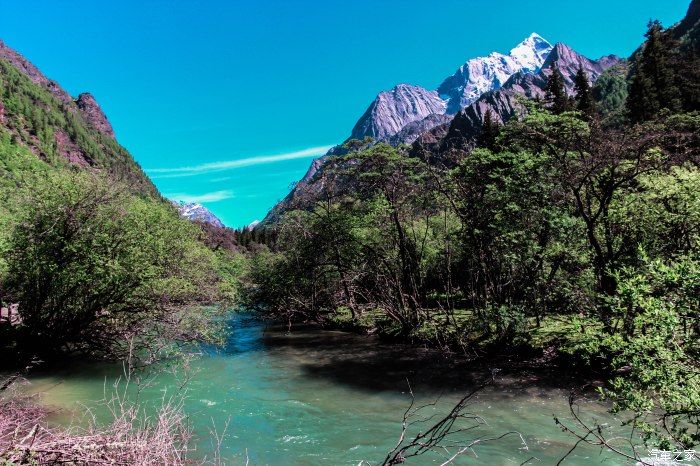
{"x": 394, "y": 109}
{"x": 483, "y": 74}
{"x": 195, "y": 211}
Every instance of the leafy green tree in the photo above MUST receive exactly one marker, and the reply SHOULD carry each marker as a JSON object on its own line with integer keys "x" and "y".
{"x": 519, "y": 242}
{"x": 598, "y": 167}
{"x": 316, "y": 270}
{"x": 610, "y": 93}
{"x": 92, "y": 266}
{"x": 661, "y": 213}
{"x": 398, "y": 188}
{"x": 653, "y": 355}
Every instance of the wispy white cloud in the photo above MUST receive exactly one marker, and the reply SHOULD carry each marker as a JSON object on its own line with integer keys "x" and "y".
{"x": 214, "y": 196}
{"x": 213, "y": 167}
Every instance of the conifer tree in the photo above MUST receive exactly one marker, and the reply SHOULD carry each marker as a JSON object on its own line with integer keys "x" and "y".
{"x": 642, "y": 101}
{"x": 653, "y": 84}
{"x": 555, "y": 92}
{"x": 584, "y": 96}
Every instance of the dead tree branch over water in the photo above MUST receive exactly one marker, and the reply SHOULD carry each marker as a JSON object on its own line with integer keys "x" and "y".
{"x": 444, "y": 437}
{"x": 598, "y": 435}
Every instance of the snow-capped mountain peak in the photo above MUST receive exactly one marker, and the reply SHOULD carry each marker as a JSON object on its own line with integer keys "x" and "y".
{"x": 532, "y": 52}
{"x": 404, "y": 105}
{"x": 482, "y": 74}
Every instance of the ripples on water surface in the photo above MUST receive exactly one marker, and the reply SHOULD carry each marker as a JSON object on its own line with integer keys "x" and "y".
{"x": 324, "y": 398}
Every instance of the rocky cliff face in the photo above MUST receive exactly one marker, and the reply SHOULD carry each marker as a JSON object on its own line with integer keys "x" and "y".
{"x": 32, "y": 72}
{"x": 394, "y": 109}
{"x": 400, "y": 115}
{"x": 568, "y": 61}
{"x": 412, "y": 131}
{"x": 690, "y": 25}
{"x": 93, "y": 114}
{"x": 85, "y": 103}
{"x": 60, "y": 127}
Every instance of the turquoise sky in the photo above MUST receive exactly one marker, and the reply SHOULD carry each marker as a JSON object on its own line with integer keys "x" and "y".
{"x": 227, "y": 102}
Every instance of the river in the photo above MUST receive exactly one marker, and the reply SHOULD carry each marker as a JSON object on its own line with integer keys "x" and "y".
{"x": 313, "y": 397}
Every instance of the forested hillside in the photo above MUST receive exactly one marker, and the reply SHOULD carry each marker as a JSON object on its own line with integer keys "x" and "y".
{"x": 568, "y": 235}
{"x": 36, "y": 113}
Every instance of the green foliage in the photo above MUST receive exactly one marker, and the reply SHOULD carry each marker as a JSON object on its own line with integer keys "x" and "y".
{"x": 535, "y": 242}
{"x": 662, "y": 213}
{"x": 352, "y": 254}
{"x": 519, "y": 243}
{"x": 654, "y": 350}
{"x": 610, "y": 93}
{"x": 88, "y": 249}
{"x": 18, "y": 166}
{"x": 584, "y": 96}
{"x": 572, "y": 226}
{"x": 540, "y": 130}
{"x": 230, "y": 267}
{"x": 93, "y": 266}
{"x": 664, "y": 76}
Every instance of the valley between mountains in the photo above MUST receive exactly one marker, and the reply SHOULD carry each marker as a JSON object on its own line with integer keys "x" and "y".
{"x": 501, "y": 270}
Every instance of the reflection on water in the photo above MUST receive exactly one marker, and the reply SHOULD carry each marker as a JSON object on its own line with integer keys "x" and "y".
{"x": 313, "y": 397}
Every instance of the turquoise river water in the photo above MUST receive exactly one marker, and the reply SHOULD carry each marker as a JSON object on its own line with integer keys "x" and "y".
{"x": 313, "y": 397}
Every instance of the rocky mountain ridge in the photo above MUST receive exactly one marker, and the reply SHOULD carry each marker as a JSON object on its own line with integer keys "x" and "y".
{"x": 38, "y": 113}
{"x": 431, "y": 131}
{"x": 483, "y": 74}
{"x": 32, "y": 72}
{"x": 405, "y": 104}
{"x": 503, "y": 103}
{"x": 85, "y": 103}
{"x": 394, "y": 109}
{"x": 93, "y": 114}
